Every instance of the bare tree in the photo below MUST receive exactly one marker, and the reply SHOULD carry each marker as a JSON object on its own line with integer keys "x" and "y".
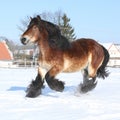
{"x": 59, "y": 18}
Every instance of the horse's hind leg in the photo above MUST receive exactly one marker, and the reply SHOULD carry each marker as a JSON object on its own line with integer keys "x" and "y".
{"x": 34, "y": 89}
{"x": 88, "y": 83}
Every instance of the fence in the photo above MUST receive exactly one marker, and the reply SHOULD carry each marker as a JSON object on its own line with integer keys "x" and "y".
{"x": 19, "y": 64}
{"x": 25, "y": 63}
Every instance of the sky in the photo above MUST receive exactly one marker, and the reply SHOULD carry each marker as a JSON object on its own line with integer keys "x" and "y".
{"x": 99, "y": 20}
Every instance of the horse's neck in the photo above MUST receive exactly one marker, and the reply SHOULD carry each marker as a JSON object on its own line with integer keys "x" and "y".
{"x": 44, "y": 47}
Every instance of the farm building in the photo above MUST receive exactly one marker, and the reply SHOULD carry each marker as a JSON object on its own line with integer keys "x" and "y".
{"x": 114, "y": 51}
{"x": 6, "y": 55}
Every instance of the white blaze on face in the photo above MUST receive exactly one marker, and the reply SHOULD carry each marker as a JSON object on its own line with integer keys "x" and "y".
{"x": 27, "y": 39}
{"x": 31, "y": 35}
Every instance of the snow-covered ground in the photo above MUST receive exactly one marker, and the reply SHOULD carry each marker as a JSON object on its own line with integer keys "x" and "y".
{"x": 103, "y": 103}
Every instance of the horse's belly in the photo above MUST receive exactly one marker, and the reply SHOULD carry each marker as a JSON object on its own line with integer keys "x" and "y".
{"x": 73, "y": 66}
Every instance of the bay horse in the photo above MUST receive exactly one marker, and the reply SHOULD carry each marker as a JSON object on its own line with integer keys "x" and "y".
{"x": 58, "y": 55}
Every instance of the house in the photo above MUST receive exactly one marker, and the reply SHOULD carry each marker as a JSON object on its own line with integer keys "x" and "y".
{"x": 6, "y": 55}
{"x": 114, "y": 51}
{"x": 27, "y": 51}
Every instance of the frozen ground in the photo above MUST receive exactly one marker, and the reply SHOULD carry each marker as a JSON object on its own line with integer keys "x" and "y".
{"x": 103, "y": 103}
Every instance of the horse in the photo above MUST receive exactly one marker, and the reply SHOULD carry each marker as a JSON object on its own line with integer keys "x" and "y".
{"x": 57, "y": 54}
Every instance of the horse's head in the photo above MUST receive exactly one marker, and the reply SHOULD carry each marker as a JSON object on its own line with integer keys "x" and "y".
{"x": 39, "y": 29}
{"x": 32, "y": 34}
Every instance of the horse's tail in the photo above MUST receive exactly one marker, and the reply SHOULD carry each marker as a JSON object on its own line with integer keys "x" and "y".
{"x": 102, "y": 72}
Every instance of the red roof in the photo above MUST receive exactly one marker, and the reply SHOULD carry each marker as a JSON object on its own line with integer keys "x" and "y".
{"x": 5, "y": 53}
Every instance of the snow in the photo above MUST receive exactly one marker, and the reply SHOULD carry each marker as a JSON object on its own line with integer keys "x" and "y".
{"x": 103, "y": 103}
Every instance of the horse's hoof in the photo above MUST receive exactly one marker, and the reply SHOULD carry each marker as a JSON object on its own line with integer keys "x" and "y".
{"x": 56, "y": 85}
{"x": 86, "y": 88}
{"x": 32, "y": 93}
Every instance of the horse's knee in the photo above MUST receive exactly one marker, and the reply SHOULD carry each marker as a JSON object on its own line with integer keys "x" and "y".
{"x": 42, "y": 72}
{"x": 53, "y": 83}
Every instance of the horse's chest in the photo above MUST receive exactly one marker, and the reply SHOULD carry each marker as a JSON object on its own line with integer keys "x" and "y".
{"x": 45, "y": 65}
{"x": 48, "y": 62}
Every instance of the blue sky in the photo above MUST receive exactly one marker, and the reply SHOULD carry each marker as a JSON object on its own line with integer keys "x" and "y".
{"x": 95, "y": 19}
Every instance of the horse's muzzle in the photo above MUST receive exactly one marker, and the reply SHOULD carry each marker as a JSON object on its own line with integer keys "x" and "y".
{"x": 24, "y": 40}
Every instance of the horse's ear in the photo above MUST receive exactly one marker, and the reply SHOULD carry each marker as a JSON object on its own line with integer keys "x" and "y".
{"x": 30, "y": 18}
{"x": 38, "y": 17}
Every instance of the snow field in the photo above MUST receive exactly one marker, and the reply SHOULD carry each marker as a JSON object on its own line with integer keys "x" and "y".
{"x": 103, "y": 103}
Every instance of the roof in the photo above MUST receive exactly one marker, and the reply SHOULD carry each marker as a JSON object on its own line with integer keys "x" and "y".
{"x": 5, "y": 53}
{"x": 118, "y": 46}
{"x": 107, "y": 45}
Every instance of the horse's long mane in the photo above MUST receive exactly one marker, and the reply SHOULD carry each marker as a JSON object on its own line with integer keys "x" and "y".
{"x": 55, "y": 39}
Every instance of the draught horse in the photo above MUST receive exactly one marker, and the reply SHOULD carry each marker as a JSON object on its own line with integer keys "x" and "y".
{"x": 58, "y": 55}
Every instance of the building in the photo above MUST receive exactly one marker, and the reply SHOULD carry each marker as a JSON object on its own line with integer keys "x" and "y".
{"x": 6, "y": 55}
{"x": 114, "y": 51}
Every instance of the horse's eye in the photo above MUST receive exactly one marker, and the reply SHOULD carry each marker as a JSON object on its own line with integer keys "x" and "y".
{"x": 34, "y": 27}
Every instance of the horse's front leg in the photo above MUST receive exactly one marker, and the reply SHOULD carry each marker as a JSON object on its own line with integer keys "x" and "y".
{"x": 54, "y": 83}
{"x": 34, "y": 89}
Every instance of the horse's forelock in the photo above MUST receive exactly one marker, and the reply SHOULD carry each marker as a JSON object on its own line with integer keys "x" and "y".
{"x": 34, "y": 21}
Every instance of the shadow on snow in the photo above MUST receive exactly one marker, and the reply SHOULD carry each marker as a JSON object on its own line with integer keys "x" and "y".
{"x": 16, "y": 88}
{"x": 45, "y": 91}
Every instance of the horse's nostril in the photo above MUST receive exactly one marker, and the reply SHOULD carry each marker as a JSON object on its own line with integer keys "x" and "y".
{"x": 23, "y": 40}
